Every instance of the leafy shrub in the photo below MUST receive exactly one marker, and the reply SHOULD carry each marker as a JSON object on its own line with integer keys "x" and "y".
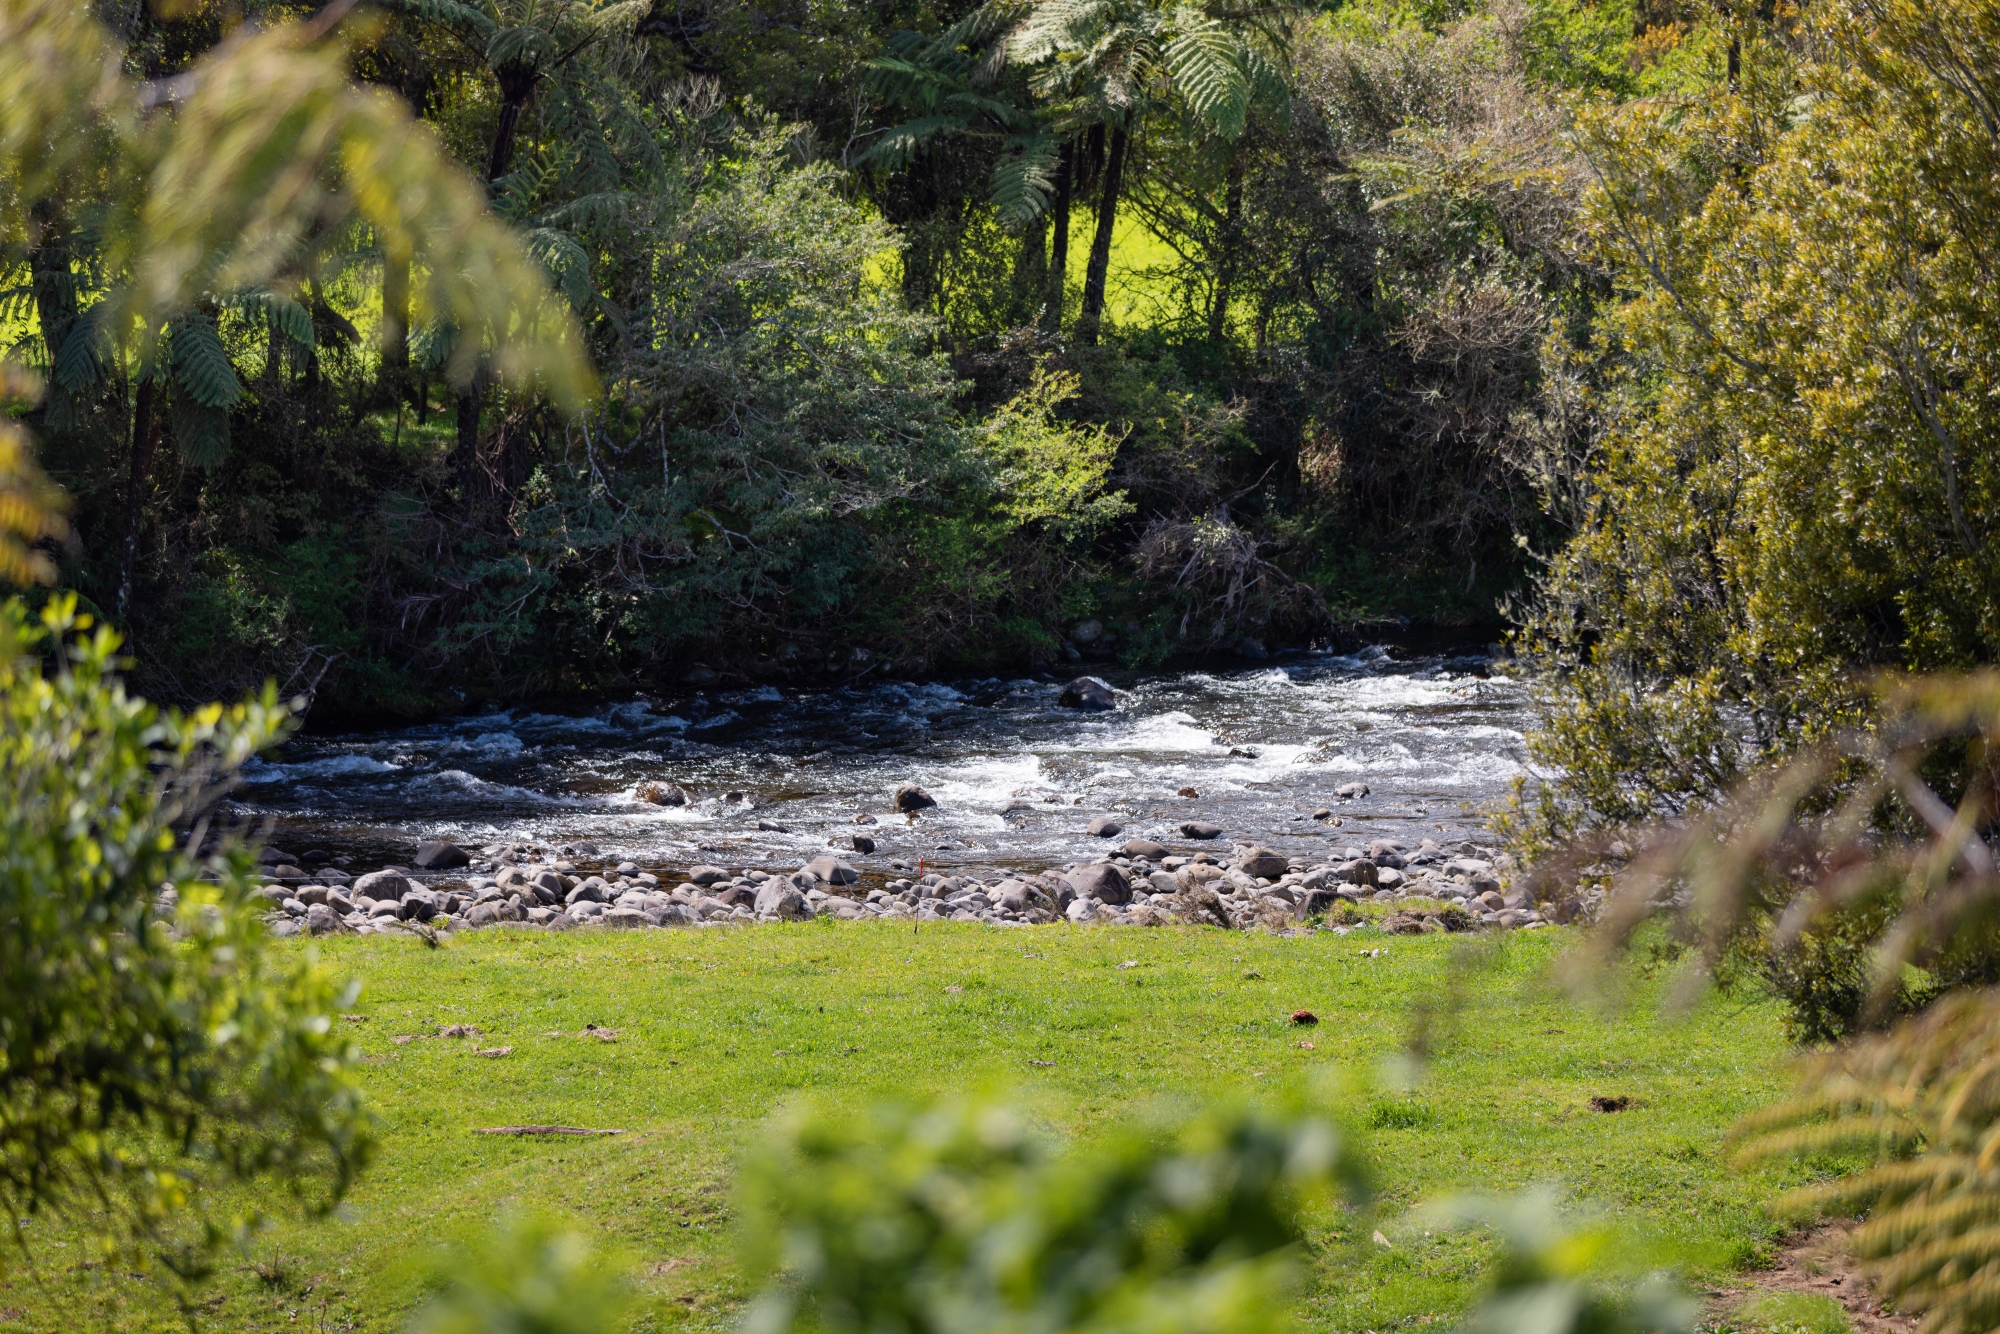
{"x": 1793, "y": 469}
{"x": 957, "y": 1220}
{"x": 149, "y": 1050}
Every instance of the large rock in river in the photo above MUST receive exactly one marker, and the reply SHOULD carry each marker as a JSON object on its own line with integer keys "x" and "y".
{"x": 442, "y": 856}
{"x": 1089, "y": 694}
{"x": 910, "y": 799}
{"x": 382, "y": 885}
{"x": 1263, "y": 863}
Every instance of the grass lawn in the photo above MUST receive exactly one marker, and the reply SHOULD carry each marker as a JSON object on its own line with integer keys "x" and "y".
{"x": 718, "y": 1028}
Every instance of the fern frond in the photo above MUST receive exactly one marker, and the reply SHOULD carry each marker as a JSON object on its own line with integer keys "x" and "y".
{"x": 1206, "y": 64}
{"x": 85, "y": 353}
{"x": 900, "y": 143}
{"x": 567, "y": 262}
{"x": 201, "y": 432}
{"x": 1024, "y": 179}
{"x": 201, "y": 368}
{"x": 451, "y": 13}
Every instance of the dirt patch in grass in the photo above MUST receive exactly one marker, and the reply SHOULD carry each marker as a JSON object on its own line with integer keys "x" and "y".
{"x": 1815, "y": 1263}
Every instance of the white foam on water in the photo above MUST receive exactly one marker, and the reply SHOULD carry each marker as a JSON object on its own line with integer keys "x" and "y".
{"x": 447, "y": 781}
{"x": 714, "y": 720}
{"x": 971, "y": 793}
{"x": 488, "y": 745}
{"x": 333, "y": 766}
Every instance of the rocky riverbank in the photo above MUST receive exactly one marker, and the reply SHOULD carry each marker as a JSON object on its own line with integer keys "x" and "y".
{"x": 1139, "y": 882}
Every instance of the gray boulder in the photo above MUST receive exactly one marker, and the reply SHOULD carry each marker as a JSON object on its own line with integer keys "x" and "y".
{"x": 1263, "y": 864}
{"x": 419, "y": 905}
{"x": 382, "y": 885}
{"x": 1144, "y": 849}
{"x": 832, "y": 870}
{"x": 702, "y": 875}
{"x": 327, "y": 875}
{"x": 590, "y": 891}
{"x": 625, "y": 918}
{"x": 1101, "y": 881}
{"x": 1104, "y": 827}
{"x": 910, "y": 799}
{"x": 1200, "y": 830}
{"x": 779, "y": 898}
{"x": 320, "y": 919}
{"x": 1088, "y": 694}
{"x": 1358, "y": 872}
{"x": 1317, "y": 901}
{"x": 441, "y": 856}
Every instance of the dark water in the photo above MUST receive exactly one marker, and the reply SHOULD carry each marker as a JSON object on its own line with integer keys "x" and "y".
{"x": 1433, "y": 736}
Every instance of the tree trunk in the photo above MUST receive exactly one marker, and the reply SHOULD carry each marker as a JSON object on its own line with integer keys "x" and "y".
{"x": 1100, "y": 245}
{"x": 1031, "y": 271}
{"x": 1052, "y": 303}
{"x": 145, "y": 440}
{"x": 1231, "y": 249}
{"x": 467, "y": 447}
{"x": 395, "y": 375}
{"x": 517, "y": 85}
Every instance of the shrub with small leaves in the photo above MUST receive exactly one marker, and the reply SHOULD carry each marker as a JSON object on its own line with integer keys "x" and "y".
{"x": 957, "y": 1220}
{"x": 150, "y": 1047}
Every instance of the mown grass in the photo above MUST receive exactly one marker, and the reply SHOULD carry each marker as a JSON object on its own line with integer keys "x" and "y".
{"x": 717, "y": 1029}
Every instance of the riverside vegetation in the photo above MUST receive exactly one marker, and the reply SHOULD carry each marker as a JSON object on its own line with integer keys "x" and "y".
{"x": 1671, "y": 322}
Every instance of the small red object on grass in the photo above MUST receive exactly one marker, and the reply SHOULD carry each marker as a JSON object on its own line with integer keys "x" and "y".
{"x": 1304, "y": 1018}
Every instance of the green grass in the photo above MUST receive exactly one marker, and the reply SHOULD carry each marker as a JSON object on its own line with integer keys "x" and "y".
{"x": 1791, "y": 1313}
{"x": 719, "y": 1028}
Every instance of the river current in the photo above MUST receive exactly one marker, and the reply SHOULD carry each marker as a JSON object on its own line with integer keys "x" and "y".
{"x": 1434, "y": 737}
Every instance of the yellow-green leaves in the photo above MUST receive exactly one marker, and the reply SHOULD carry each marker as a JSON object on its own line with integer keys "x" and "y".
{"x": 1049, "y": 471}
{"x": 30, "y": 504}
{"x": 149, "y": 1047}
{"x": 234, "y": 175}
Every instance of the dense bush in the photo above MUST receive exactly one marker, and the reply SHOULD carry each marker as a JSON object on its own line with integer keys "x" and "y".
{"x": 150, "y": 1049}
{"x": 1795, "y": 468}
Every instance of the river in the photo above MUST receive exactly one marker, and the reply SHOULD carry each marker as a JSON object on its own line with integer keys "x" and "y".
{"x": 1433, "y": 735}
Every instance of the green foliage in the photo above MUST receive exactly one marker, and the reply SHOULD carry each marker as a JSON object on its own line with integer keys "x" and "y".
{"x": 1791, "y": 1313}
{"x": 1545, "y": 1280}
{"x": 1793, "y": 467}
{"x": 154, "y": 1049}
{"x": 529, "y": 1276}
{"x": 768, "y": 402}
{"x": 957, "y": 1219}
{"x": 1049, "y": 472}
{"x": 243, "y": 186}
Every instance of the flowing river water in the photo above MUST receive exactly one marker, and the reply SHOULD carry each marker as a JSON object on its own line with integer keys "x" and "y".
{"x": 1433, "y": 736}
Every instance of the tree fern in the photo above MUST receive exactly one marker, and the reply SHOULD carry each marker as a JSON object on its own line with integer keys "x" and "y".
{"x": 567, "y": 262}
{"x": 85, "y": 352}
